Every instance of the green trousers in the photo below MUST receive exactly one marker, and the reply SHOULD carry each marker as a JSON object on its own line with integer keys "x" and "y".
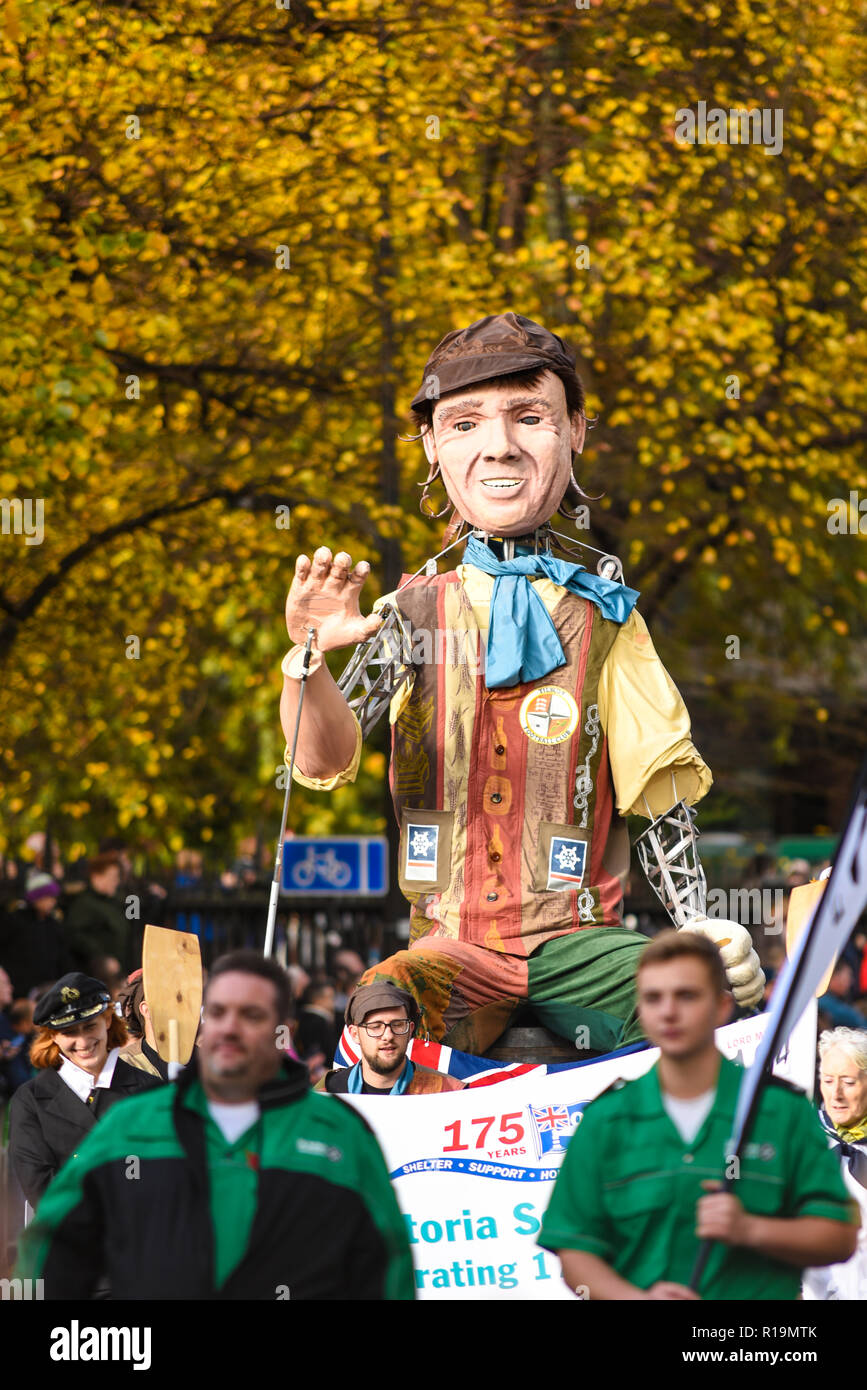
{"x": 581, "y": 986}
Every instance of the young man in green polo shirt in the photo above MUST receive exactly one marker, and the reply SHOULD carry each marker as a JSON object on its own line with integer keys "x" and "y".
{"x": 638, "y": 1189}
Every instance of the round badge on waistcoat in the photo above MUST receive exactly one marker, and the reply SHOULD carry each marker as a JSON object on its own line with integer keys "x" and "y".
{"x": 549, "y": 715}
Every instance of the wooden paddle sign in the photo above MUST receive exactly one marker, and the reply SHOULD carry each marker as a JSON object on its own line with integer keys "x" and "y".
{"x": 803, "y": 901}
{"x": 172, "y": 979}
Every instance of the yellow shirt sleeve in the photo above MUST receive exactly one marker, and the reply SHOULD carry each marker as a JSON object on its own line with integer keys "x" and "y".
{"x": 650, "y": 745}
{"x": 340, "y": 779}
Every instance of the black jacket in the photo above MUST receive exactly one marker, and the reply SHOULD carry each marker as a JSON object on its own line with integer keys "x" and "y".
{"x": 47, "y": 1122}
{"x": 96, "y": 926}
{"x": 315, "y": 1034}
{"x": 424, "y": 1082}
{"x": 33, "y": 949}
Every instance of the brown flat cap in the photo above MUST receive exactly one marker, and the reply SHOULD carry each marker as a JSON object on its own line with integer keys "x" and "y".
{"x": 379, "y": 995}
{"x": 493, "y": 346}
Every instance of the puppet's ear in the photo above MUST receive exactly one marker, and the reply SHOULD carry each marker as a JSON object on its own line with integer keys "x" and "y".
{"x": 427, "y": 440}
{"x": 578, "y": 427}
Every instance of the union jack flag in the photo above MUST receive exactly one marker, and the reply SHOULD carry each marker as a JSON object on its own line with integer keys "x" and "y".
{"x": 552, "y": 1117}
{"x": 554, "y": 1125}
{"x": 475, "y": 1071}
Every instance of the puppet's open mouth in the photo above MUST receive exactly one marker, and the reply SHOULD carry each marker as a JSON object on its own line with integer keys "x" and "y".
{"x": 502, "y": 484}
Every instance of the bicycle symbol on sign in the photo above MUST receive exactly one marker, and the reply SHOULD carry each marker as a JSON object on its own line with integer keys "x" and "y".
{"x": 335, "y": 872}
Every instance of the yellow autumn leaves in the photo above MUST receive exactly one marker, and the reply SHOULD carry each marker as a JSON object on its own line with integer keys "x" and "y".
{"x": 165, "y": 387}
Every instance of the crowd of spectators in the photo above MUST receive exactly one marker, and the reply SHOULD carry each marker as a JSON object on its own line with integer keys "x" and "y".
{"x": 54, "y": 921}
{"x": 90, "y": 916}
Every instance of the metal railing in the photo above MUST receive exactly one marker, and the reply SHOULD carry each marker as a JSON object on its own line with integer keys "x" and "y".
{"x": 307, "y": 932}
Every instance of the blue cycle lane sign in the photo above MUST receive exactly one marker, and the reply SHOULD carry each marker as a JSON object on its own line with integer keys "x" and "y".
{"x": 352, "y": 864}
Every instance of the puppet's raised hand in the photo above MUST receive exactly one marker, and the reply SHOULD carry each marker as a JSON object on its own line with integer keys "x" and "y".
{"x": 745, "y": 975}
{"x": 324, "y": 595}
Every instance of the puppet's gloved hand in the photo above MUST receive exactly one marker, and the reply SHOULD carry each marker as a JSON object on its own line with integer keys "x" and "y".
{"x": 745, "y": 975}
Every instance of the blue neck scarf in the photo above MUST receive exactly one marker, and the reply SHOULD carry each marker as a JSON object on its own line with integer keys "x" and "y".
{"x": 356, "y": 1080}
{"x": 522, "y": 640}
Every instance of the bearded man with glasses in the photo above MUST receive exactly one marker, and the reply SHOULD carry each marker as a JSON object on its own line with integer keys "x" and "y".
{"x": 381, "y": 1020}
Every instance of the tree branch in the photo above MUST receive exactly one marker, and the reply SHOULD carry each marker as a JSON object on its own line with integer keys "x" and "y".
{"x": 245, "y": 496}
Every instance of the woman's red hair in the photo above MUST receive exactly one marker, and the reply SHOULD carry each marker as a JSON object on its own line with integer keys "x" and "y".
{"x": 44, "y": 1051}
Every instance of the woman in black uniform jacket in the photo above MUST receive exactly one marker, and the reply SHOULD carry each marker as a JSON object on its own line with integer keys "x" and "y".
{"x": 81, "y": 1074}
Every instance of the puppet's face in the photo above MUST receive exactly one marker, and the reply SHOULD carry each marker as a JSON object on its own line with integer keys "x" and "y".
{"x": 506, "y": 453}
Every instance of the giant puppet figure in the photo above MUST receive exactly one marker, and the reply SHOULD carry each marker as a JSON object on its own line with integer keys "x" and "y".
{"x": 530, "y": 713}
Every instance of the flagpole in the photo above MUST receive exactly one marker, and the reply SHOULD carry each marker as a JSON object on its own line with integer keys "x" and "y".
{"x": 824, "y": 937}
{"x": 278, "y": 861}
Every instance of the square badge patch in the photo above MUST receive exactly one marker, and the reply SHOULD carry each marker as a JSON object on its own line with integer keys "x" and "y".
{"x": 421, "y": 851}
{"x": 566, "y": 860}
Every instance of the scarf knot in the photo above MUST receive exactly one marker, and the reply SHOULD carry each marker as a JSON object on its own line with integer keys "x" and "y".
{"x": 522, "y": 640}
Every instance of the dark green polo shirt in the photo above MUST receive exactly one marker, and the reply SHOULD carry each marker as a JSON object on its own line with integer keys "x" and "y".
{"x": 628, "y": 1187}
{"x": 233, "y": 1182}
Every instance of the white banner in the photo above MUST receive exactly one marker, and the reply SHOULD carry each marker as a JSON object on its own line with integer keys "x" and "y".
{"x": 474, "y": 1170}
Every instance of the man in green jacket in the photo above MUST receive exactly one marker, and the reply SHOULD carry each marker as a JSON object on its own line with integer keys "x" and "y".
{"x": 236, "y": 1183}
{"x": 639, "y": 1187}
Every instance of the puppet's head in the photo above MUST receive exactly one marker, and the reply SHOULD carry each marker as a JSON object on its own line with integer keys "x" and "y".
{"x": 501, "y": 414}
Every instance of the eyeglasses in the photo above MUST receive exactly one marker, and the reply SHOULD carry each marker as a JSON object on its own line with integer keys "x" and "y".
{"x": 376, "y": 1030}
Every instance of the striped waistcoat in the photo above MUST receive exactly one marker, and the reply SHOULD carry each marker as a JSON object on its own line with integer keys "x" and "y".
{"x": 504, "y": 797}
